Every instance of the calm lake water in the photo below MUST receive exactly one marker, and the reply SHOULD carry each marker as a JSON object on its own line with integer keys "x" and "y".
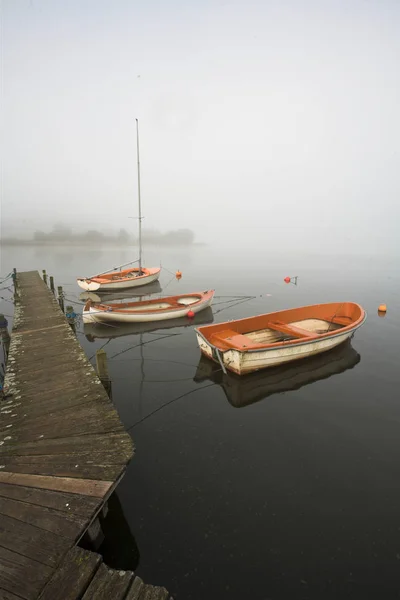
{"x": 279, "y": 486}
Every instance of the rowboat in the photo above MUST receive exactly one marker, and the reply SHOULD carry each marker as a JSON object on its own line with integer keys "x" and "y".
{"x": 118, "y": 279}
{"x": 142, "y": 292}
{"x": 159, "y": 309}
{"x": 248, "y": 389}
{"x": 255, "y": 343}
{"x": 94, "y": 331}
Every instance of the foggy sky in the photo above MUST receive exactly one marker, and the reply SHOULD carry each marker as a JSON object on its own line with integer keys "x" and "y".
{"x": 260, "y": 122}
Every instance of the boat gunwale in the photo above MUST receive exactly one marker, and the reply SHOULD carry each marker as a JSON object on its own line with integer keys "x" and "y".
{"x": 288, "y": 343}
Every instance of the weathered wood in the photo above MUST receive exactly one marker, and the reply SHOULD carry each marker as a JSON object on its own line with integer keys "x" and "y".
{"x": 84, "y": 506}
{"x": 61, "y": 523}
{"x": 32, "y": 542}
{"x": 21, "y": 575}
{"x": 52, "y": 284}
{"x": 63, "y": 450}
{"x": 73, "y": 577}
{"x": 151, "y": 592}
{"x": 86, "y": 487}
{"x": 134, "y": 592}
{"x": 108, "y": 584}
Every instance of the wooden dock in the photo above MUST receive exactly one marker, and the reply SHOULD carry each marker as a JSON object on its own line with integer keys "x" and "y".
{"x": 63, "y": 451}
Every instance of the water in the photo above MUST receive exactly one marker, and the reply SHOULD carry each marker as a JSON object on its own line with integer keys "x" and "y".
{"x": 235, "y": 491}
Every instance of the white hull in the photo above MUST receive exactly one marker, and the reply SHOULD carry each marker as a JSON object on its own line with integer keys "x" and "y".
{"x": 254, "y": 360}
{"x": 95, "y": 316}
{"x": 92, "y": 286}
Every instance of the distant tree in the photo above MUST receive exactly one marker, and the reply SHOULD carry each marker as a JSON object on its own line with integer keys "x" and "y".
{"x": 40, "y": 236}
{"x": 123, "y": 236}
{"x": 94, "y": 236}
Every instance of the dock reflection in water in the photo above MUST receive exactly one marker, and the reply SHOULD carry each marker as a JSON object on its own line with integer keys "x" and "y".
{"x": 247, "y": 389}
{"x": 95, "y": 331}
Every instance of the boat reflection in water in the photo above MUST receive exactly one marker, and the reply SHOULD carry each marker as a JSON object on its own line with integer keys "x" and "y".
{"x": 95, "y": 331}
{"x": 247, "y": 389}
{"x": 140, "y": 292}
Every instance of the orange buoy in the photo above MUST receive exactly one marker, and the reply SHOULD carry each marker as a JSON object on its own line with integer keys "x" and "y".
{"x": 178, "y": 275}
{"x": 190, "y": 314}
{"x": 382, "y": 308}
{"x": 287, "y": 280}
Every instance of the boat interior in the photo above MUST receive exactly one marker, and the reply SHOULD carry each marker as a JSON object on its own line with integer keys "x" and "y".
{"x": 149, "y": 305}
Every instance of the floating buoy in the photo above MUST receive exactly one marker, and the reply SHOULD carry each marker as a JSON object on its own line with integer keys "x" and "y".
{"x": 190, "y": 314}
{"x": 178, "y": 275}
{"x": 287, "y": 280}
{"x": 382, "y": 308}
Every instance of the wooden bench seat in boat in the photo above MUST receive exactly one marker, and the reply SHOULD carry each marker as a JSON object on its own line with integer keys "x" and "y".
{"x": 228, "y": 338}
{"x": 292, "y": 330}
{"x": 345, "y": 321}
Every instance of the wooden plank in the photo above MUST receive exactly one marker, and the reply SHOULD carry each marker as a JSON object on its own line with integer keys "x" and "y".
{"x": 60, "y": 523}
{"x": 290, "y": 329}
{"x": 73, "y": 577}
{"x": 66, "y": 469}
{"x": 39, "y": 445}
{"x": 108, "y": 584}
{"x": 86, "y": 487}
{"x": 70, "y": 503}
{"x": 135, "y": 590}
{"x": 151, "y": 592}
{"x": 21, "y": 575}
{"x": 341, "y": 321}
{"x": 32, "y": 542}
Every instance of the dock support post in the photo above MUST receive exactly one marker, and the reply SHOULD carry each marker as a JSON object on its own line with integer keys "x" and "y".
{"x": 14, "y": 278}
{"x": 4, "y": 336}
{"x": 44, "y": 276}
{"x": 52, "y": 284}
{"x": 60, "y": 297}
{"x": 71, "y": 317}
{"x": 102, "y": 370}
{"x": 94, "y": 535}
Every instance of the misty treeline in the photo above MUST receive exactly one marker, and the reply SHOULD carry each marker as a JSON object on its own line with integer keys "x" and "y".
{"x": 62, "y": 234}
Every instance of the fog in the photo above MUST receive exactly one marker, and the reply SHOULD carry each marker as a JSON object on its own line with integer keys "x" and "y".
{"x": 267, "y": 124}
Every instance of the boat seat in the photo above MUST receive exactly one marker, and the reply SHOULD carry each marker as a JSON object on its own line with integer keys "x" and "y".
{"x": 292, "y": 330}
{"x": 341, "y": 321}
{"x": 228, "y": 338}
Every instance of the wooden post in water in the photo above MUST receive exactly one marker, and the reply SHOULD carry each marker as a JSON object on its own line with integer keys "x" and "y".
{"x": 60, "y": 297}
{"x": 44, "y": 276}
{"x": 4, "y": 336}
{"x": 52, "y": 284}
{"x": 14, "y": 278}
{"x": 102, "y": 370}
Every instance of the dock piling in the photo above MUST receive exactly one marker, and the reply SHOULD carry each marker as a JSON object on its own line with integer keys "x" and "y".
{"x": 60, "y": 297}
{"x": 102, "y": 370}
{"x": 44, "y": 276}
{"x": 52, "y": 284}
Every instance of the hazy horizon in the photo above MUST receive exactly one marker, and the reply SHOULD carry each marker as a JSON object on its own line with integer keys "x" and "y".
{"x": 273, "y": 124}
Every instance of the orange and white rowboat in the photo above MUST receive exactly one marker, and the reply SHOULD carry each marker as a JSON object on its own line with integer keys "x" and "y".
{"x": 119, "y": 280}
{"x": 255, "y": 343}
{"x": 159, "y": 309}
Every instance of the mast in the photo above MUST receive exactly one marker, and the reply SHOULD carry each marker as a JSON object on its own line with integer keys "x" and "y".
{"x": 139, "y": 198}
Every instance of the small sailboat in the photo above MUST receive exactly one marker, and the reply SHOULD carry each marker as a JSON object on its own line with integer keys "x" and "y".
{"x": 248, "y": 389}
{"x": 158, "y": 309}
{"x": 140, "y": 292}
{"x": 255, "y": 343}
{"x": 116, "y": 280}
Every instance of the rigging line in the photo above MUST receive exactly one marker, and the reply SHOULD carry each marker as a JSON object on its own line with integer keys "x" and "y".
{"x": 168, "y": 403}
{"x": 144, "y": 344}
{"x": 235, "y": 304}
{"x": 103, "y": 346}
